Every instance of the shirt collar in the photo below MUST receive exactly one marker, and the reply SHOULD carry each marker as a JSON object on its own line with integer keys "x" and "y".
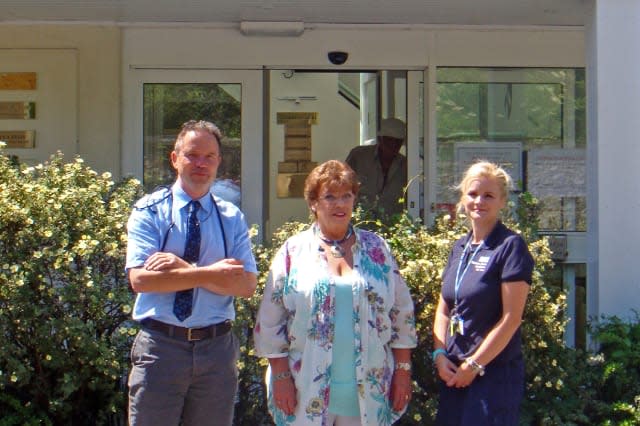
{"x": 491, "y": 239}
{"x": 181, "y": 199}
{"x": 495, "y": 235}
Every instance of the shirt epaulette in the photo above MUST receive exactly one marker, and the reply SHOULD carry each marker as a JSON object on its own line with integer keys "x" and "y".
{"x": 152, "y": 199}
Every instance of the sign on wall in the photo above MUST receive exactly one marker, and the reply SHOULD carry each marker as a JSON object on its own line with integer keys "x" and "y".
{"x": 17, "y": 81}
{"x": 18, "y": 138}
{"x": 508, "y": 155}
{"x": 17, "y": 110}
{"x": 557, "y": 172}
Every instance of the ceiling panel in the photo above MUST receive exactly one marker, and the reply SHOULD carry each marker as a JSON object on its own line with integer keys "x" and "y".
{"x": 415, "y": 12}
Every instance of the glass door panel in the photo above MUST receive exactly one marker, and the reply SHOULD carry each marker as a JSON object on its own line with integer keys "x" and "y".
{"x": 162, "y": 99}
{"x": 317, "y": 116}
{"x": 168, "y": 105}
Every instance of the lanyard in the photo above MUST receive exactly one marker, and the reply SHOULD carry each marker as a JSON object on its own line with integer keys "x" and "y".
{"x": 459, "y": 276}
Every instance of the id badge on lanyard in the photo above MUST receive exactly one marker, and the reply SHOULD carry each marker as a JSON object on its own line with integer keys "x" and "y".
{"x": 456, "y": 322}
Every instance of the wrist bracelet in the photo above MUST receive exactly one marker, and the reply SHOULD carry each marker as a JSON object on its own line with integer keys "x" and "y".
{"x": 406, "y": 366}
{"x": 281, "y": 376}
{"x": 437, "y": 352}
{"x": 475, "y": 366}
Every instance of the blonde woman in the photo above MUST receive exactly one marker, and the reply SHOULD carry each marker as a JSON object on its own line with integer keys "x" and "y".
{"x": 477, "y": 344}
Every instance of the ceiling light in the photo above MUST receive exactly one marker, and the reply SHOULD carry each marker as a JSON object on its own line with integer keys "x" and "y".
{"x": 273, "y": 29}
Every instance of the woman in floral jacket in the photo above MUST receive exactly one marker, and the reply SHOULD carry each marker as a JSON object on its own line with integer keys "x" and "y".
{"x": 336, "y": 322}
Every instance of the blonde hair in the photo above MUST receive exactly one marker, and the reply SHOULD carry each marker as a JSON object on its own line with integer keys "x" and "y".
{"x": 486, "y": 169}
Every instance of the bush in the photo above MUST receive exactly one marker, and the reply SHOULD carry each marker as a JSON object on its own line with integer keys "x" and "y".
{"x": 65, "y": 306}
{"x": 64, "y": 297}
{"x": 617, "y": 370}
{"x": 422, "y": 255}
{"x": 251, "y": 409}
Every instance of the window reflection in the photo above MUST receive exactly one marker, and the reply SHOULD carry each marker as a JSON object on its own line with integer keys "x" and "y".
{"x": 531, "y": 119}
{"x": 167, "y": 106}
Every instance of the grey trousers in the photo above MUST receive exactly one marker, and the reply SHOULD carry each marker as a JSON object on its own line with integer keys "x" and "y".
{"x": 174, "y": 382}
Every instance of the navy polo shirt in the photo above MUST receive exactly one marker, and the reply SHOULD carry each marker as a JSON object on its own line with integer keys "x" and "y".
{"x": 503, "y": 257}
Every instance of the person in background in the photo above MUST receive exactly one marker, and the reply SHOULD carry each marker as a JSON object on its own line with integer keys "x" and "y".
{"x": 188, "y": 256}
{"x": 477, "y": 344}
{"x": 336, "y": 321}
{"x": 382, "y": 169}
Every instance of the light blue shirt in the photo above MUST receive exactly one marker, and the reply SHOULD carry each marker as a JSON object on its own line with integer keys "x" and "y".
{"x": 343, "y": 395}
{"x": 159, "y": 223}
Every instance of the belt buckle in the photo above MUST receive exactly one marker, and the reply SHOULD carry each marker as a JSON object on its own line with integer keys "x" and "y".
{"x": 190, "y": 338}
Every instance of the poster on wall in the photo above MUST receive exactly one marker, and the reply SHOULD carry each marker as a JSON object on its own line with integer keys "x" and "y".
{"x": 506, "y": 154}
{"x": 557, "y": 172}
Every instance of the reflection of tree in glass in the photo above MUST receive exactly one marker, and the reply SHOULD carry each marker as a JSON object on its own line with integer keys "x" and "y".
{"x": 168, "y": 105}
{"x": 527, "y": 106}
{"x": 211, "y": 102}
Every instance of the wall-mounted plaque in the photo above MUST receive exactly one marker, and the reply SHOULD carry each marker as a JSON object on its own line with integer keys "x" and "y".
{"x": 290, "y": 185}
{"x": 18, "y": 138}
{"x": 297, "y": 163}
{"x": 311, "y": 117}
{"x": 17, "y": 110}
{"x": 17, "y": 81}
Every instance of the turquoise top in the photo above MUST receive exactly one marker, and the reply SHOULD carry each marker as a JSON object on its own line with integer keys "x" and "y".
{"x": 343, "y": 394}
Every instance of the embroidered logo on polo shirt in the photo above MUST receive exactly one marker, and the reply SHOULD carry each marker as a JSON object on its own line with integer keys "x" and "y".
{"x": 481, "y": 264}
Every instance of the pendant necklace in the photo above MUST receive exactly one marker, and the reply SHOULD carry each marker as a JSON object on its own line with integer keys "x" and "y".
{"x": 336, "y": 250}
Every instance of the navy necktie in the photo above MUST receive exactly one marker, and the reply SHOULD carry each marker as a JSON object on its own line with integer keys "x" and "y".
{"x": 184, "y": 299}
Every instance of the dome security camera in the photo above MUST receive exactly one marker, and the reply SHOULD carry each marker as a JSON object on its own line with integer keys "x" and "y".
{"x": 337, "y": 57}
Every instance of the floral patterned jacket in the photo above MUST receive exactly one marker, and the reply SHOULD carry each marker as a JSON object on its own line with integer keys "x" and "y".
{"x": 295, "y": 320}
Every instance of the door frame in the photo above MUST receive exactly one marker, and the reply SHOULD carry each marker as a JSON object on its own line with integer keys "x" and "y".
{"x": 252, "y": 147}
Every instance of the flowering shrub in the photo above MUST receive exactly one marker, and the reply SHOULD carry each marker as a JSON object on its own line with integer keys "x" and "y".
{"x": 422, "y": 254}
{"x": 64, "y": 297}
{"x": 65, "y": 306}
{"x": 251, "y": 408}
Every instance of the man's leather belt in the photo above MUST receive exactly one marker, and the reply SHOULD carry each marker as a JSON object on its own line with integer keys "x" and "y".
{"x": 188, "y": 334}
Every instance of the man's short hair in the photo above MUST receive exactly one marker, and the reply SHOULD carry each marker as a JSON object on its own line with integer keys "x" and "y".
{"x": 192, "y": 125}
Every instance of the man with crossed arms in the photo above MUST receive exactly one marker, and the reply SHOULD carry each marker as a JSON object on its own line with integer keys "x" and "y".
{"x": 188, "y": 255}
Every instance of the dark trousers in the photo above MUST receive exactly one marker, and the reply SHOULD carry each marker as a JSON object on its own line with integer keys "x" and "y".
{"x": 173, "y": 381}
{"x": 491, "y": 400}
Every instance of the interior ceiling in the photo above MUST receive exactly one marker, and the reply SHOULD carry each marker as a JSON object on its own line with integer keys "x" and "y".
{"x": 412, "y": 12}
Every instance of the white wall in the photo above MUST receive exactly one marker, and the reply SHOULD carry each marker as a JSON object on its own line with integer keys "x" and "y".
{"x": 54, "y": 97}
{"x": 369, "y": 46}
{"x": 97, "y": 51}
{"x": 614, "y": 152}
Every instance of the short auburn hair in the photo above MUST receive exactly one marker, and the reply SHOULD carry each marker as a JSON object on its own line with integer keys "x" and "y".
{"x": 330, "y": 173}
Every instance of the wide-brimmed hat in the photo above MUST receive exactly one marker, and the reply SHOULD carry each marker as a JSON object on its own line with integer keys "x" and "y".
{"x": 393, "y": 128}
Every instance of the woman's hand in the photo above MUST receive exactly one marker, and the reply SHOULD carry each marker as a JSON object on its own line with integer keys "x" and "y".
{"x": 463, "y": 377}
{"x": 446, "y": 368}
{"x": 284, "y": 395}
{"x": 400, "y": 389}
